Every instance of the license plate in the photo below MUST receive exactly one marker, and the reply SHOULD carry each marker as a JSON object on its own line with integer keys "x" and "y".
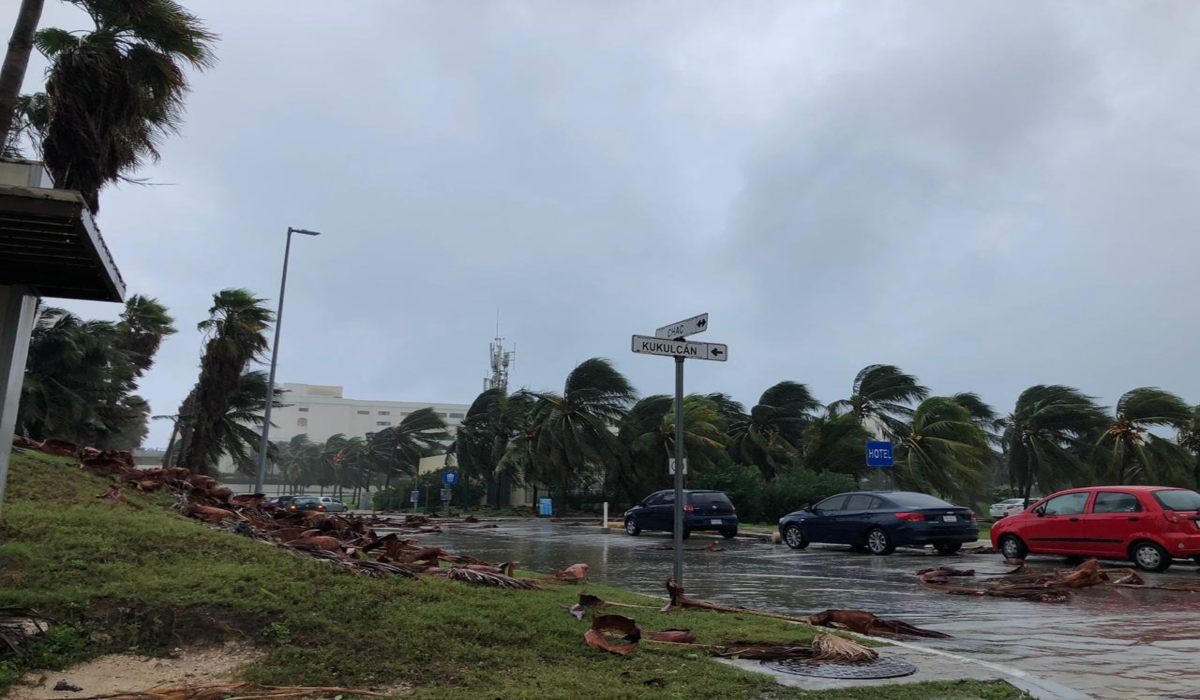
{"x": 715, "y": 521}
{"x": 950, "y": 518}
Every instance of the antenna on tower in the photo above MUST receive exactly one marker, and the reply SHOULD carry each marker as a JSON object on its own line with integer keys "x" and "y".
{"x": 501, "y": 361}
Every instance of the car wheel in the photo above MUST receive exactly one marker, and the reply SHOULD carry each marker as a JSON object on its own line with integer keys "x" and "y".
{"x": 729, "y": 534}
{"x": 948, "y": 547}
{"x": 879, "y": 543}
{"x": 631, "y": 527}
{"x": 793, "y": 537}
{"x": 1148, "y": 556}
{"x": 1012, "y": 547}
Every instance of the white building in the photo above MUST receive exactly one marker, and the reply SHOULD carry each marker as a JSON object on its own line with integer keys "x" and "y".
{"x": 321, "y": 412}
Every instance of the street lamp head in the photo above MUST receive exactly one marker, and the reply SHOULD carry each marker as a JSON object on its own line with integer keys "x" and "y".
{"x": 306, "y": 232}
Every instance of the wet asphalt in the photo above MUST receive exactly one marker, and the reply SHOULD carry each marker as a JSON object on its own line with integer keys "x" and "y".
{"x": 1109, "y": 643}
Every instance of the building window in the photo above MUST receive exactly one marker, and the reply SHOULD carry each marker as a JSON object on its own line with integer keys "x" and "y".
{"x": 406, "y": 413}
{"x": 303, "y": 409}
{"x": 456, "y": 415}
{"x": 385, "y": 413}
{"x": 364, "y": 413}
{"x": 383, "y": 422}
{"x": 303, "y": 422}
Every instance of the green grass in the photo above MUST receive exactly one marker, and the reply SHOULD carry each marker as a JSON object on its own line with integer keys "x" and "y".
{"x": 137, "y": 575}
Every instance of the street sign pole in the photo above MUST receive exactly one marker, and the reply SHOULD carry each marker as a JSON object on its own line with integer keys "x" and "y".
{"x": 679, "y": 470}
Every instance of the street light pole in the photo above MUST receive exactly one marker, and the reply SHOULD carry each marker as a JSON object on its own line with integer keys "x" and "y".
{"x": 260, "y": 473}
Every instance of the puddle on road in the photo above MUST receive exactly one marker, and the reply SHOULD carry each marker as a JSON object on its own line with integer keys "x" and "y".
{"x": 1110, "y": 643}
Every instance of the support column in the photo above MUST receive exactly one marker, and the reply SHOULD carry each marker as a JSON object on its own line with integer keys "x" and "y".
{"x": 17, "y": 310}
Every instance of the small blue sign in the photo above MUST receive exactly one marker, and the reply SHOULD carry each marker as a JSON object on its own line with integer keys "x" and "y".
{"x": 879, "y": 454}
{"x": 545, "y": 507}
{"x": 451, "y": 478}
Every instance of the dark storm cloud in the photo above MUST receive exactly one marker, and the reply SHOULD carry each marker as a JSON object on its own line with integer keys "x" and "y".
{"x": 988, "y": 194}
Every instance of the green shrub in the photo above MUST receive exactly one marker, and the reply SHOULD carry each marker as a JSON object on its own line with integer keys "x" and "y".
{"x": 759, "y": 501}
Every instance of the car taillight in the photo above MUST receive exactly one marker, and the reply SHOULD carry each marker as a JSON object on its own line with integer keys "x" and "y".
{"x": 732, "y": 508}
{"x": 973, "y": 515}
{"x": 689, "y": 508}
{"x": 1171, "y": 516}
{"x": 911, "y": 517}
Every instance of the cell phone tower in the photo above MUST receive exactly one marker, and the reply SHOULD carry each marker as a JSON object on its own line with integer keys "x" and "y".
{"x": 501, "y": 361}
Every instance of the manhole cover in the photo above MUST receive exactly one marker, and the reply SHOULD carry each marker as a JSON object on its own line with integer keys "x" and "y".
{"x": 868, "y": 670}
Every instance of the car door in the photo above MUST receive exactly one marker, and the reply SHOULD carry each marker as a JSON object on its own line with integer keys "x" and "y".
{"x": 849, "y": 526}
{"x": 820, "y": 527}
{"x": 664, "y": 511}
{"x": 645, "y": 513}
{"x": 1057, "y": 526}
{"x": 1112, "y": 521}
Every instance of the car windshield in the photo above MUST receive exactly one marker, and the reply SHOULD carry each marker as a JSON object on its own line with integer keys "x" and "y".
{"x": 708, "y": 498}
{"x": 917, "y": 500}
{"x": 1013, "y": 501}
{"x": 305, "y": 500}
{"x": 1178, "y": 499}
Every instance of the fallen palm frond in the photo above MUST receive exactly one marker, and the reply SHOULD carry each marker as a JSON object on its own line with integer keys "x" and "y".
{"x": 830, "y": 647}
{"x": 235, "y": 691}
{"x": 575, "y": 573}
{"x": 863, "y": 622}
{"x": 1044, "y": 587}
{"x": 604, "y": 626}
{"x": 483, "y": 578}
{"x": 19, "y": 625}
{"x": 679, "y": 600}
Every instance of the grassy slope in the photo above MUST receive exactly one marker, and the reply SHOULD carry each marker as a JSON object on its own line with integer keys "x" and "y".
{"x": 137, "y": 575}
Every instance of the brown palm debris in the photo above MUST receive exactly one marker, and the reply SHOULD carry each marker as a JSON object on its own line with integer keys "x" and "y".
{"x": 329, "y": 544}
{"x": 830, "y": 647}
{"x": 713, "y": 546}
{"x": 679, "y": 600}
{"x": 112, "y": 493}
{"x": 235, "y": 691}
{"x": 671, "y": 636}
{"x": 481, "y": 578}
{"x": 575, "y": 573}
{"x": 19, "y": 625}
{"x": 604, "y": 626}
{"x": 761, "y": 651}
{"x": 863, "y": 622}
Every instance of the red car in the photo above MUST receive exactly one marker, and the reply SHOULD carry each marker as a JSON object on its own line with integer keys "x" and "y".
{"x": 1150, "y": 525}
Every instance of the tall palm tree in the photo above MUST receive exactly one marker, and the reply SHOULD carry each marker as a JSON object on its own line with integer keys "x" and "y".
{"x": 399, "y": 449}
{"x": 882, "y": 393}
{"x": 237, "y": 335}
{"x": 943, "y": 450}
{"x": 113, "y": 94}
{"x": 16, "y": 61}
{"x": 834, "y": 443}
{"x": 649, "y": 433}
{"x": 772, "y": 436}
{"x": 1045, "y": 432}
{"x": 1135, "y": 452}
{"x": 573, "y": 429}
{"x": 1189, "y": 438}
{"x": 482, "y": 438}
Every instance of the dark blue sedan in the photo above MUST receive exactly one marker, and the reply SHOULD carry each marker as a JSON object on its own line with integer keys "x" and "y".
{"x": 880, "y": 521}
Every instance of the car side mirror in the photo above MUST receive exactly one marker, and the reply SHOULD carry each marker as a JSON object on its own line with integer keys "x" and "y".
{"x": 1040, "y": 511}
{"x": 817, "y": 511}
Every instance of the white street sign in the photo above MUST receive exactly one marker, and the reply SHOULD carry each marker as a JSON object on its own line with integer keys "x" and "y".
{"x": 680, "y": 348}
{"x": 684, "y": 328}
{"x": 671, "y": 468}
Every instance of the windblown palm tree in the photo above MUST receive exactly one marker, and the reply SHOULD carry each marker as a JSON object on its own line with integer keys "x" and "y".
{"x": 772, "y": 436}
{"x": 882, "y": 393}
{"x": 944, "y": 450}
{"x": 1136, "y": 454}
{"x": 1189, "y": 438}
{"x": 399, "y": 449}
{"x": 144, "y": 325}
{"x": 835, "y": 443}
{"x": 12, "y": 73}
{"x": 573, "y": 429}
{"x": 649, "y": 434}
{"x": 113, "y": 94}
{"x": 1045, "y": 433}
{"x": 483, "y": 437}
{"x": 237, "y": 335}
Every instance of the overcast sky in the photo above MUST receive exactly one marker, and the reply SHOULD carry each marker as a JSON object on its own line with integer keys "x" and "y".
{"x": 989, "y": 195}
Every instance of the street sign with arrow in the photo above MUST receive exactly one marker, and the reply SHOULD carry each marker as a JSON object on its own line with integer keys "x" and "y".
{"x": 680, "y": 348}
{"x": 684, "y": 328}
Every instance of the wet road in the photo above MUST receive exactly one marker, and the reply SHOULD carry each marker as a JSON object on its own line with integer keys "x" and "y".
{"x": 1110, "y": 643}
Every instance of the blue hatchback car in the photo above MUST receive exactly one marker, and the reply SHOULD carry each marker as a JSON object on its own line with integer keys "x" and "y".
{"x": 880, "y": 521}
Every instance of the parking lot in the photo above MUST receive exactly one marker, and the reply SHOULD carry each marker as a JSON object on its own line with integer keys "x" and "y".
{"x": 1110, "y": 643}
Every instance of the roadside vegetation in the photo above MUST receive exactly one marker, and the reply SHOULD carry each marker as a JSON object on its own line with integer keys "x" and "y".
{"x": 127, "y": 575}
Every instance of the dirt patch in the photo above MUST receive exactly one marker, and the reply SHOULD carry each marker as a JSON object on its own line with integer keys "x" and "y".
{"x": 124, "y": 672}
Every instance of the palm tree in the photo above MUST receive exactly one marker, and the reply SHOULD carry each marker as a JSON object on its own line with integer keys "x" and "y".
{"x": 298, "y": 460}
{"x": 573, "y": 429}
{"x": 482, "y": 438}
{"x": 772, "y": 436}
{"x": 1189, "y": 438}
{"x": 1138, "y": 453}
{"x": 882, "y": 393}
{"x": 943, "y": 450}
{"x": 143, "y": 326}
{"x": 112, "y": 94}
{"x": 399, "y": 449}
{"x": 237, "y": 335}
{"x": 834, "y": 443}
{"x": 1045, "y": 432}
{"x": 649, "y": 434}
{"x": 16, "y": 61}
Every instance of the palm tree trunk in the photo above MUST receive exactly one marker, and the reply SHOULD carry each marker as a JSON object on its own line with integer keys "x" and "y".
{"x": 171, "y": 444}
{"x": 1027, "y": 487}
{"x": 1125, "y": 459}
{"x": 16, "y": 61}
